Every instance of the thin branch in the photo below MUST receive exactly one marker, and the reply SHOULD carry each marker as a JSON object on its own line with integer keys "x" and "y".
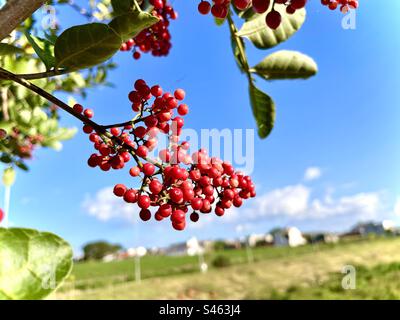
{"x": 41, "y": 75}
{"x": 239, "y": 42}
{"x": 14, "y": 12}
{"x": 7, "y": 75}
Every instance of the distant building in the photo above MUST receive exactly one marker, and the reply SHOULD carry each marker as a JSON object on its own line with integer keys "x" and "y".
{"x": 260, "y": 239}
{"x": 288, "y": 237}
{"x": 191, "y": 247}
{"x": 369, "y": 228}
{"x": 322, "y": 237}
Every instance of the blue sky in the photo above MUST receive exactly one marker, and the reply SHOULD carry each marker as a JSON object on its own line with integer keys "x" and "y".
{"x": 343, "y": 124}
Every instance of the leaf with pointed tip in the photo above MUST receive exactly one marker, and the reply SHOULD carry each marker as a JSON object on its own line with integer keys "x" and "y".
{"x": 32, "y": 263}
{"x": 263, "y": 110}
{"x": 263, "y": 37}
{"x": 130, "y": 24}
{"x": 286, "y": 64}
{"x": 44, "y": 49}
{"x": 86, "y": 45}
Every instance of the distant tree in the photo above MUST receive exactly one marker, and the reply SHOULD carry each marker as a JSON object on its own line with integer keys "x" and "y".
{"x": 99, "y": 249}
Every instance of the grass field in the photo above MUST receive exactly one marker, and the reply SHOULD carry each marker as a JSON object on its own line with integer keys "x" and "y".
{"x": 309, "y": 272}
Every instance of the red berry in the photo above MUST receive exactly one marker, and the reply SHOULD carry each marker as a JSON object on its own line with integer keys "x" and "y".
{"x": 179, "y": 94}
{"x": 143, "y": 201}
{"x": 149, "y": 169}
{"x": 87, "y": 129}
{"x": 155, "y": 186}
{"x": 136, "y": 55}
{"x": 196, "y": 203}
{"x": 2, "y": 215}
{"x": 78, "y": 108}
{"x": 158, "y": 4}
{"x": 194, "y": 216}
{"x": 204, "y": 7}
{"x": 260, "y": 6}
{"x": 134, "y": 171}
{"x": 183, "y": 109}
{"x": 145, "y": 214}
{"x": 115, "y": 132}
{"x": 142, "y": 151}
{"x": 179, "y": 226}
{"x": 178, "y": 216}
{"x": 130, "y": 196}
{"x": 119, "y": 190}
{"x": 88, "y": 113}
{"x": 156, "y": 91}
{"x": 176, "y": 195}
{"x": 165, "y": 210}
{"x": 273, "y": 19}
{"x": 219, "y": 211}
{"x": 241, "y": 4}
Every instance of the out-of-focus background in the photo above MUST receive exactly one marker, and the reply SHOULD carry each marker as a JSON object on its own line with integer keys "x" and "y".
{"x": 363, "y": 263}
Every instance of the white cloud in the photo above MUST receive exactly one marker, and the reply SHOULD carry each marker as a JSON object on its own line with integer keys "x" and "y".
{"x": 290, "y": 200}
{"x": 106, "y": 206}
{"x": 312, "y": 173}
{"x": 296, "y": 202}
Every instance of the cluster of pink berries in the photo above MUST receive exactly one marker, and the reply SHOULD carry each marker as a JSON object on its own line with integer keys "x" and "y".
{"x": 345, "y": 5}
{"x": 157, "y": 38}
{"x": 177, "y": 184}
{"x": 22, "y": 145}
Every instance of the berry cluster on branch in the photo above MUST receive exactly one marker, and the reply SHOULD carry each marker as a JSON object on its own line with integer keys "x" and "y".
{"x": 273, "y": 19}
{"x": 157, "y": 38}
{"x": 176, "y": 183}
{"x": 21, "y": 144}
{"x": 344, "y": 5}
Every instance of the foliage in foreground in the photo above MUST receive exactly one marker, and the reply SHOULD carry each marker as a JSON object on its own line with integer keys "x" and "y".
{"x": 380, "y": 282}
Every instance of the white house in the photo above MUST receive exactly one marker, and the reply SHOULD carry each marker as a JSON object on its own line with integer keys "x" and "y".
{"x": 288, "y": 237}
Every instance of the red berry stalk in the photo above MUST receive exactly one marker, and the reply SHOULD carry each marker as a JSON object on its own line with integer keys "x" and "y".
{"x": 344, "y": 5}
{"x": 177, "y": 184}
{"x": 157, "y": 38}
{"x": 273, "y": 19}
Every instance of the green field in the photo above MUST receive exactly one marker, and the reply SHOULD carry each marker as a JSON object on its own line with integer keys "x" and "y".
{"x": 276, "y": 273}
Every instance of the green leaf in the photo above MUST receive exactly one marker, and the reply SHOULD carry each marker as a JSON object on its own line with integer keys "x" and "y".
{"x": 263, "y": 110}
{"x": 130, "y": 24}
{"x": 219, "y": 22}
{"x": 122, "y": 6}
{"x": 32, "y": 264}
{"x": 263, "y": 37}
{"x": 245, "y": 14}
{"x": 8, "y": 49}
{"x": 86, "y": 45}
{"x": 9, "y": 177}
{"x": 44, "y": 49}
{"x": 22, "y": 166}
{"x": 286, "y": 64}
